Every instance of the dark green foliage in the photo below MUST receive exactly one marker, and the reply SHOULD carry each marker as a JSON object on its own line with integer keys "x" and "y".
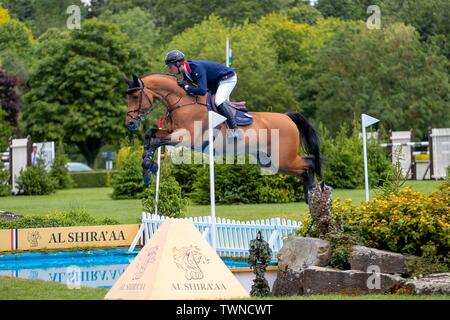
{"x": 59, "y": 172}
{"x": 340, "y": 249}
{"x": 5, "y": 132}
{"x": 70, "y": 218}
{"x": 343, "y": 158}
{"x": 5, "y": 188}
{"x": 42, "y": 14}
{"x": 95, "y": 179}
{"x": 303, "y": 13}
{"x": 127, "y": 181}
{"x": 171, "y": 201}
{"x": 346, "y": 9}
{"x": 186, "y": 175}
{"x": 36, "y": 181}
{"x": 243, "y": 183}
{"x": 422, "y": 266}
{"x": 9, "y": 100}
{"x": 344, "y": 85}
{"x": 75, "y": 86}
{"x": 259, "y": 258}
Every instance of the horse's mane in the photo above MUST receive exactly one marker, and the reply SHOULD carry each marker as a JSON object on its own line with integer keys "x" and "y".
{"x": 160, "y": 74}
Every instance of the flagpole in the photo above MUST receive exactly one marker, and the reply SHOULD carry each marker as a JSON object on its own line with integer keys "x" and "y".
{"x": 227, "y": 48}
{"x": 366, "y": 171}
{"x": 365, "y": 122}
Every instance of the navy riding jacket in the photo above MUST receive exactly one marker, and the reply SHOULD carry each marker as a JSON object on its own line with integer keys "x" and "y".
{"x": 206, "y": 75}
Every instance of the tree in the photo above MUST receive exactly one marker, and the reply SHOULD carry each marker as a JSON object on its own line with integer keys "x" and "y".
{"x": 346, "y": 9}
{"x": 77, "y": 90}
{"x": 5, "y": 131}
{"x": 297, "y": 46}
{"x": 19, "y": 9}
{"x": 4, "y": 15}
{"x": 9, "y": 100}
{"x": 42, "y": 14}
{"x": 139, "y": 25}
{"x": 16, "y": 43}
{"x": 260, "y": 81}
{"x": 303, "y": 13}
{"x": 387, "y": 73}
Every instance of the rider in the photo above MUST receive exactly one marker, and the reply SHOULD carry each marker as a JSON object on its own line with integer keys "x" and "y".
{"x": 206, "y": 75}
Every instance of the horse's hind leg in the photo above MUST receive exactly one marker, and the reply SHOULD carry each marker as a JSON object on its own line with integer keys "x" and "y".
{"x": 302, "y": 168}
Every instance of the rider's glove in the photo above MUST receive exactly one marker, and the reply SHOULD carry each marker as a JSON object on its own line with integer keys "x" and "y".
{"x": 181, "y": 83}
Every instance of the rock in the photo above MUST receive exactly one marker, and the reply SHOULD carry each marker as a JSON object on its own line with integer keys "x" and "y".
{"x": 319, "y": 280}
{"x": 9, "y": 215}
{"x": 297, "y": 254}
{"x": 361, "y": 258}
{"x": 300, "y": 252}
{"x": 438, "y": 283}
{"x": 288, "y": 283}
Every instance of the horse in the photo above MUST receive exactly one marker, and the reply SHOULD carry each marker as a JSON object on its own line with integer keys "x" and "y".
{"x": 184, "y": 110}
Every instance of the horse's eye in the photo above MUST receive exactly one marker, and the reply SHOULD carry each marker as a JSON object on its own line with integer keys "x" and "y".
{"x": 135, "y": 98}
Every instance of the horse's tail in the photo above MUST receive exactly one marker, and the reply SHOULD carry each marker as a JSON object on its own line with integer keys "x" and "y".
{"x": 309, "y": 137}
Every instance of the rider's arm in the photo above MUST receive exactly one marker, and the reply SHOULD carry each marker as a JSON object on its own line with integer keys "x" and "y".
{"x": 202, "y": 86}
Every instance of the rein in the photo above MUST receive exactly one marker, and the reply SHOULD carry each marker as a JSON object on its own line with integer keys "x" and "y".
{"x": 141, "y": 113}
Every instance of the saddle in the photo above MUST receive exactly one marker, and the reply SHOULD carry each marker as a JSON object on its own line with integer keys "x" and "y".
{"x": 237, "y": 109}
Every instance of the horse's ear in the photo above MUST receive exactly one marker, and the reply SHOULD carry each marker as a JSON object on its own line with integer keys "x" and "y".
{"x": 128, "y": 81}
{"x": 136, "y": 81}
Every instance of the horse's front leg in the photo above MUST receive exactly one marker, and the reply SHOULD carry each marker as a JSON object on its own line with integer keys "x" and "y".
{"x": 153, "y": 139}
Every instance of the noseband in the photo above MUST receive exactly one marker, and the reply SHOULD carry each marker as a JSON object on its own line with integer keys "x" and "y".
{"x": 141, "y": 113}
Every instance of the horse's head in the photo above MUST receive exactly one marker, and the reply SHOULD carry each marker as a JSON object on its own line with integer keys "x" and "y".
{"x": 140, "y": 102}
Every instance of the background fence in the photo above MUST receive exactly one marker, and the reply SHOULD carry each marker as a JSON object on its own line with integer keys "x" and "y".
{"x": 233, "y": 237}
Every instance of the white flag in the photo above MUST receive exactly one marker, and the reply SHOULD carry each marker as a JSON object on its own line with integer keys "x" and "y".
{"x": 216, "y": 119}
{"x": 368, "y": 120}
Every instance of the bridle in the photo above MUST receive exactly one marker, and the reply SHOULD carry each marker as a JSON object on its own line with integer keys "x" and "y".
{"x": 141, "y": 113}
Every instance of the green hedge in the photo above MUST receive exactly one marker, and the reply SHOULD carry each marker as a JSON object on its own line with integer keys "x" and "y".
{"x": 70, "y": 218}
{"x": 94, "y": 179}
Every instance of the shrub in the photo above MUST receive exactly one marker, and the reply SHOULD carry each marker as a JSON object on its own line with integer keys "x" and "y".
{"x": 36, "y": 181}
{"x": 90, "y": 179}
{"x": 70, "y": 218}
{"x": 171, "y": 202}
{"x": 127, "y": 180}
{"x": 59, "y": 172}
{"x": 343, "y": 157}
{"x": 244, "y": 184}
{"x": 5, "y": 188}
{"x": 186, "y": 175}
{"x": 408, "y": 222}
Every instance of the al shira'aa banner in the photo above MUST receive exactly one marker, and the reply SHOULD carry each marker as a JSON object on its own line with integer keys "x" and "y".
{"x": 5, "y": 239}
{"x": 70, "y": 237}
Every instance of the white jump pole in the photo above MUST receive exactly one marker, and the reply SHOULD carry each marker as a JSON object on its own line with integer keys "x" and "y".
{"x": 366, "y": 122}
{"x": 211, "y": 181}
{"x": 160, "y": 124}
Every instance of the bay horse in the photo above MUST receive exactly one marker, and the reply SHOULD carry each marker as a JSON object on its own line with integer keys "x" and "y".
{"x": 183, "y": 110}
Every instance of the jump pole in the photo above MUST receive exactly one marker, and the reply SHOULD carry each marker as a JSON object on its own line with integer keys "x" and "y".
{"x": 214, "y": 119}
{"x": 160, "y": 124}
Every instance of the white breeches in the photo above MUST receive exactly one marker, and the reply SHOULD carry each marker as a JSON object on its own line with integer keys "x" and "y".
{"x": 224, "y": 90}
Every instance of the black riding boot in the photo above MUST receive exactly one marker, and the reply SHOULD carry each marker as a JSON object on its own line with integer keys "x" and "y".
{"x": 223, "y": 110}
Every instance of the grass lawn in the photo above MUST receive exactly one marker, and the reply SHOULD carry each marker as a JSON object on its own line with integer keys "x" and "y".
{"x": 98, "y": 203}
{"x": 22, "y": 289}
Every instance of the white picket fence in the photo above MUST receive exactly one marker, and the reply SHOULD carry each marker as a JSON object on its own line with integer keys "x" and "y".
{"x": 233, "y": 237}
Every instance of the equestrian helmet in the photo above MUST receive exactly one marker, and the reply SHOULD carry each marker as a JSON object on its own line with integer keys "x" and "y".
{"x": 174, "y": 56}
